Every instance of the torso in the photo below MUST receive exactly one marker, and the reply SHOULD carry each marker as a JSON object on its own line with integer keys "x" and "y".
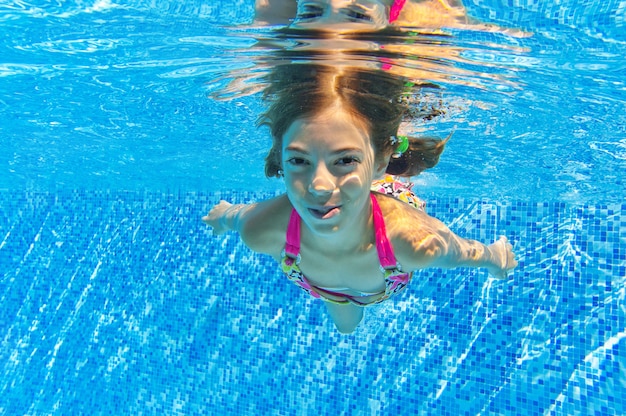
{"x": 356, "y": 272}
{"x": 357, "y": 269}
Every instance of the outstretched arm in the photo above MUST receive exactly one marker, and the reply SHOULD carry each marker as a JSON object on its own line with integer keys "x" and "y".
{"x": 261, "y": 225}
{"x": 503, "y": 258}
{"x": 226, "y": 217}
{"x": 498, "y": 258}
{"x": 422, "y": 241}
{"x": 447, "y": 250}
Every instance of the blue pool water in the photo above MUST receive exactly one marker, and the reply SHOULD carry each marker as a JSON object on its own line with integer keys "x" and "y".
{"x": 115, "y": 298}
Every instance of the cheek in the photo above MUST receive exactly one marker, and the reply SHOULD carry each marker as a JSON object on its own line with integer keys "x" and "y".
{"x": 294, "y": 183}
{"x": 352, "y": 181}
{"x": 360, "y": 178}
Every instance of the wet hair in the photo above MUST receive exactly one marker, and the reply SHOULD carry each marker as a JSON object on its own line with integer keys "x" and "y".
{"x": 297, "y": 91}
{"x": 423, "y": 153}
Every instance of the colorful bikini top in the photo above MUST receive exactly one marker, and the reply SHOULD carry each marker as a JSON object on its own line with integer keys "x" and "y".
{"x": 395, "y": 279}
{"x": 402, "y": 191}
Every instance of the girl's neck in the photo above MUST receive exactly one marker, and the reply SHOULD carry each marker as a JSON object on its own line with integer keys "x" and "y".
{"x": 349, "y": 238}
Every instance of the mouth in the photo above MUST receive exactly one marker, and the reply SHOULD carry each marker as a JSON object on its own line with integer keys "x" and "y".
{"x": 324, "y": 213}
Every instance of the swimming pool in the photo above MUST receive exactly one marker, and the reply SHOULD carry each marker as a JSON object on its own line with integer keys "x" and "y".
{"x": 115, "y": 299}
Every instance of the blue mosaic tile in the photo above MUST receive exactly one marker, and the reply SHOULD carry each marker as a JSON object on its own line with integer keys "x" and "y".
{"x": 124, "y": 303}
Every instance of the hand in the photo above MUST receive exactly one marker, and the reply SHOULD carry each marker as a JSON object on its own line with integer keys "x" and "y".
{"x": 215, "y": 217}
{"x": 504, "y": 258}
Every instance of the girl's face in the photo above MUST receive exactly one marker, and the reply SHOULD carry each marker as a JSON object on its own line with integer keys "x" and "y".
{"x": 341, "y": 15}
{"x": 329, "y": 164}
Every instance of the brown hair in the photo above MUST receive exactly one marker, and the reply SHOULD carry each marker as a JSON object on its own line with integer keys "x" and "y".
{"x": 423, "y": 153}
{"x": 296, "y": 91}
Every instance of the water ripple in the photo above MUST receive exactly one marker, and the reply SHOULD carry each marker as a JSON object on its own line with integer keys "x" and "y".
{"x": 73, "y": 46}
{"x": 453, "y": 58}
{"x": 616, "y": 150}
{"x": 556, "y": 97}
{"x": 41, "y": 10}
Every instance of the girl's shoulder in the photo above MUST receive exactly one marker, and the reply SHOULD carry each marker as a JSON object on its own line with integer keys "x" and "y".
{"x": 395, "y": 209}
{"x": 265, "y": 228}
{"x": 412, "y": 232}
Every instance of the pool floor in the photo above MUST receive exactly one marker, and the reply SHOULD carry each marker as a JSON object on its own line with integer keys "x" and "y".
{"x": 124, "y": 303}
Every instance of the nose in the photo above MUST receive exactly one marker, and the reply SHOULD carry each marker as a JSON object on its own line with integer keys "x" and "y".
{"x": 322, "y": 182}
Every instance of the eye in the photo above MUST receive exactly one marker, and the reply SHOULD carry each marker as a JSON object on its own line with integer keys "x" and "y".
{"x": 348, "y": 161}
{"x": 309, "y": 12}
{"x": 297, "y": 161}
{"x": 357, "y": 15}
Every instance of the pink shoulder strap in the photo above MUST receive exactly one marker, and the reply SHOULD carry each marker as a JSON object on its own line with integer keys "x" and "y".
{"x": 383, "y": 245}
{"x": 395, "y": 10}
{"x": 292, "y": 246}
